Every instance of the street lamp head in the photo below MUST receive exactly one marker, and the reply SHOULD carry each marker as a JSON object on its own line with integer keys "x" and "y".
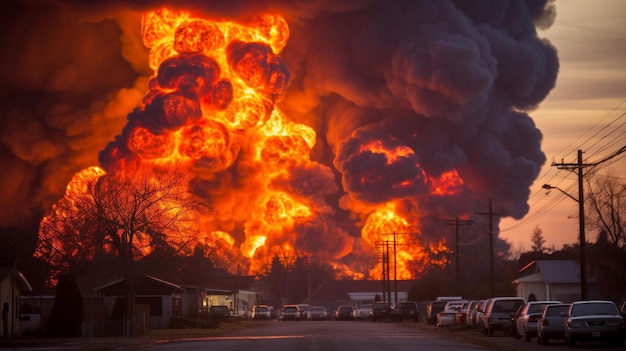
{"x": 547, "y": 186}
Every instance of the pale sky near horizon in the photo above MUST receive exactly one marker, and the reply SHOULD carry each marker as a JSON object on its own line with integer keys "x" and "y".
{"x": 586, "y": 110}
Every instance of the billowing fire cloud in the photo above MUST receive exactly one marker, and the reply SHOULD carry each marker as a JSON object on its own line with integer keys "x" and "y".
{"x": 322, "y": 130}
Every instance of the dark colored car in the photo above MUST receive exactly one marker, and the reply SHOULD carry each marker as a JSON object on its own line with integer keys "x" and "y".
{"x": 406, "y": 310}
{"x": 433, "y": 309}
{"x": 381, "y": 311}
{"x": 344, "y": 313}
{"x": 595, "y": 320}
{"x": 551, "y": 325}
{"x": 219, "y": 313}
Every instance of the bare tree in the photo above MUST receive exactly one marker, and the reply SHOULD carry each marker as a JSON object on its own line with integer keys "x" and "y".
{"x": 128, "y": 214}
{"x": 606, "y": 201}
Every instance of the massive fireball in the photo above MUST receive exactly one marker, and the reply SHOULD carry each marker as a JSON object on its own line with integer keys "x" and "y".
{"x": 211, "y": 108}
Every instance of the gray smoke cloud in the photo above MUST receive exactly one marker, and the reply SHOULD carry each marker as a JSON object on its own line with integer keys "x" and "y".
{"x": 452, "y": 81}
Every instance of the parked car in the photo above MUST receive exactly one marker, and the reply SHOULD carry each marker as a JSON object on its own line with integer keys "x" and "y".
{"x": 290, "y": 313}
{"x": 480, "y": 311}
{"x": 432, "y": 309}
{"x": 304, "y": 309}
{"x": 381, "y": 311}
{"x": 529, "y": 314}
{"x": 362, "y": 312}
{"x": 461, "y": 315}
{"x": 317, "y": 313}
{"x": 448, "y": 317}
{"x": 470, "y": 316}
{"x": 260, "y": 312}
{"x": 219, "y": 313}
{"x": 406, "y": 310}
{"x": 344, "y": 313}
{"x": 498, "y": 314}
{"x": 594, "y": 320}
{"x": 551, "y": 325}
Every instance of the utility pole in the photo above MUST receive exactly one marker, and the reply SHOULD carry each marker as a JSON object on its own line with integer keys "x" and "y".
{"x": 491, "y": 214}
{"x": 457, "y": 222}
{"x": 582, "y": 241}
{"x": 579, "y": 166}
{"x": 384, "y": 266}
{"x": 388, "y": 275}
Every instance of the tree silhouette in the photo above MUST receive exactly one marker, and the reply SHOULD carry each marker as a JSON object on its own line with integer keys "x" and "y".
{"x": 538, "y": 240}
{"x": 129, "y": 214}
{"x": 66, "y": 317}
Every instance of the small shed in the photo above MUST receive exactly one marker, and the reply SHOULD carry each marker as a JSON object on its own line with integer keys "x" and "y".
{"x": 550, "y": 280}
{"x": 12, "y": 285}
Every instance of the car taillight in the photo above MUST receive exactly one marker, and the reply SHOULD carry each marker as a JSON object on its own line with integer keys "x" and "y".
{"x": 533, "y": 319}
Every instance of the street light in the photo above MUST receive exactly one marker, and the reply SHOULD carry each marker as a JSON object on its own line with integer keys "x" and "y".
{"x": 581, "y": 232}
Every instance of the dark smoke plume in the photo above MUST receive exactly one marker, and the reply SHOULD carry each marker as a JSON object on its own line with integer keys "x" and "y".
{"x": 453, "y": 81}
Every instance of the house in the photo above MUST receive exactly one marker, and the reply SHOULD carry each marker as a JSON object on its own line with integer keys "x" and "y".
{"x": 156, "y": 302}
{"x": 12, "y": 285}
{"x": 550, "y": 280}
{"x": 236, "y": 292}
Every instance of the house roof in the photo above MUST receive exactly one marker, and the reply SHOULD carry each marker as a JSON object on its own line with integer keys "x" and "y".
{"x": 22, "y": 282}
{"x": 143, "y": 284}
{"x": 551, "y": 272}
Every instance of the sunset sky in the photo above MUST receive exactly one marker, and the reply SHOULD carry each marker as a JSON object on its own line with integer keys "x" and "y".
{"x": 590, "y": 95}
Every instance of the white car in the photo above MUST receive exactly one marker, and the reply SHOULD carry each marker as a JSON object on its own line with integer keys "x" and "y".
{"x": 362, "y": 312}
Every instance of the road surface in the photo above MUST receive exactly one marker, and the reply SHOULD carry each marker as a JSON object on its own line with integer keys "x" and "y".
{"x": 322, "y": 336}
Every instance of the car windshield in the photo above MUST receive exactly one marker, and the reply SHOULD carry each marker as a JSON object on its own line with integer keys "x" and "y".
{"x": 586, "y": 309}
{"x": 290, "y": 309}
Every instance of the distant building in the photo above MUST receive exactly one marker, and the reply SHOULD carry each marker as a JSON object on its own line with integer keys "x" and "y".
{"x": 334, "y": 293}
{"x": 550, "y": 280}
{"x": 12, "y": 285}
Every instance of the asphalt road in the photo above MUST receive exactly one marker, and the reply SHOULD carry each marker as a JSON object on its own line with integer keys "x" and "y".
{"x": 323, "y": 336}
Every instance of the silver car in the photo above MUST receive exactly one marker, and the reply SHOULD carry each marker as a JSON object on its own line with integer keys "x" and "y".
{"x": 551, "y": 325}
{"x": 498, "y": 314}
{"x": 595, "y": 320}
{"x": 526, "y": 321}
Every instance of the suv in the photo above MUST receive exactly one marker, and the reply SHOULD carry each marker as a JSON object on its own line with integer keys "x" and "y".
{"x": 499, "y": 312}
{"x": 381, "y": 310}
{"x": 260, "y": 312}
{"x": 344, "y": 313}
{"x": 594, "y": 320}
{"x": 406, "y": 310}
{"x": 290, "y": 312}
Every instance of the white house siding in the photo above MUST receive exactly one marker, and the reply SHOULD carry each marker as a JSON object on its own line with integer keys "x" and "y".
{"x": 537, "y": 288}
{"x": 565, "y": 292}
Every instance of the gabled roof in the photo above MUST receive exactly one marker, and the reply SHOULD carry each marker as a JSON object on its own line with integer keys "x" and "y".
{"x": 551, "y": 272}
{"x": 143, "y": 284}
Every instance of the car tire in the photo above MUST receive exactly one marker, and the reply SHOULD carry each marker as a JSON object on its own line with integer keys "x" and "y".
{"x": 527, "y": 336}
